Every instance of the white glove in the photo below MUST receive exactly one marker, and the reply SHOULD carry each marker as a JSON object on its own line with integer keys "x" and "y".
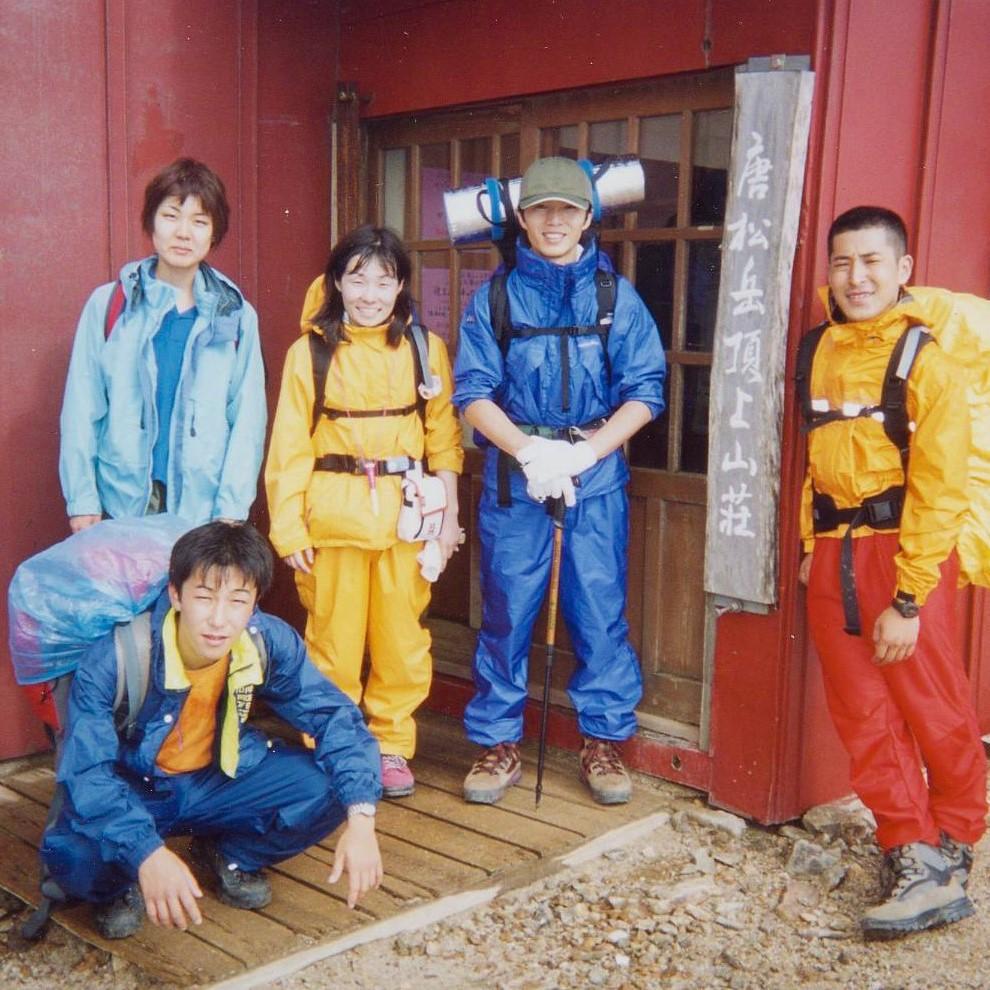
{"x": 560, "y": 487}
{"x": 544, "y": 459}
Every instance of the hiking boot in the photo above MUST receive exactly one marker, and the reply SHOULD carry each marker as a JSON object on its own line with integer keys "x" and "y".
{"x": 959, "y": 856}
{"x": 603, "y": 772}
{"x": 493, "y": 773}
{"x": 397, "y": 778}
{"x": 924, "y": 894}
{"x": 235, "y": 887}
{"x": 121, "y": 917}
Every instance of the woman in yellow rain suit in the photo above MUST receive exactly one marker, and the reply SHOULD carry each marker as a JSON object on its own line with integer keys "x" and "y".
{"x": 334, "y": 482}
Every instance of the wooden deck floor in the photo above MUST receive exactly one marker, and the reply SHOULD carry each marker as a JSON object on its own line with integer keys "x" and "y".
{"x": 433, "y": 844}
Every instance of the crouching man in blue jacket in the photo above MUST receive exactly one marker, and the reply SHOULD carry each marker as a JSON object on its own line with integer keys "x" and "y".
{"x": 192, "y": 766}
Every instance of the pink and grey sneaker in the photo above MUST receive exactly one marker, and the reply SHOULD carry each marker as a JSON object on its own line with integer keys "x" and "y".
{"x": 397, "y": 778}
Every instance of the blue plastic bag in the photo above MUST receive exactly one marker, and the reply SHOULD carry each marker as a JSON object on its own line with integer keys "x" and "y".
{"x": 63, "y": 599}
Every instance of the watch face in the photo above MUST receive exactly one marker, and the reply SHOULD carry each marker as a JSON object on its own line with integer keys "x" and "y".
{"x": 908, "y": 609}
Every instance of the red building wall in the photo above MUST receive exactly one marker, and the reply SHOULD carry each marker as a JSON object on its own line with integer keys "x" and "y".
{"x": 108, "y": 91}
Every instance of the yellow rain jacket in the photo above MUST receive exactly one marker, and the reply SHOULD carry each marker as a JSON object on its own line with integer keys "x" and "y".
{"x": 331, "y": 509}
{"x": 852, "y": 459}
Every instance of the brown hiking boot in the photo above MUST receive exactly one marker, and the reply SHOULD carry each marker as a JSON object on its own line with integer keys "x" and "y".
{"x": 603, "y": 772}
{"x": 493, "y": 773}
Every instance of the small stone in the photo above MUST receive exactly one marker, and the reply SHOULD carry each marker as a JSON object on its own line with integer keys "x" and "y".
{"x": 794, "y": 833}
{"x": 808, "y": 858}
{"x": 823, "y": 933}
{"x": 703, "y": 861}
{"x": 433, "y": 949}
{"x": 618, "y": 936}
{"x": 727, "y": 857}
{"x": 798, "y": 896}
{"x": 622, "y": 960}
{"x": 597, "y": 976}
{"x": 834, "y": 875}
{"x": 721, "y": 820}
{"x": 721, "y": 919}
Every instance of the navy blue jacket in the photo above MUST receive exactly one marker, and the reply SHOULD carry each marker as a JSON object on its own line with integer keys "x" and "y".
{"x": 101, "y": 769}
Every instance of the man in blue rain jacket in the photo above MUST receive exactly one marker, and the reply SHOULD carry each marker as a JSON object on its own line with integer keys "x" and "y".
{"x": 192, "y": 765}
{"x": 553, "y": 401}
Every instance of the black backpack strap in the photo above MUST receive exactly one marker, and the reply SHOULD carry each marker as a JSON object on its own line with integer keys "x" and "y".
{"x": 802, "y": 371}
{"x": 498, "y": 305}
{"x": 606, "y": 291}
{"x": 893, "y": 397}
{"x": 321, "y": 354}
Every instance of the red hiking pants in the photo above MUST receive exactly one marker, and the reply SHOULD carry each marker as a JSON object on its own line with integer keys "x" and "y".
{"x": 896, "y": 719}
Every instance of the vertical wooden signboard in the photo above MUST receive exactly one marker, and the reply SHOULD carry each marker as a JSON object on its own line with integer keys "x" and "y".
{"x": 769, "y": 146}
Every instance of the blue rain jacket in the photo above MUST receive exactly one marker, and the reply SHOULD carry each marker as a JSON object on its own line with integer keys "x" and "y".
{"x": 109, "y": 423}
{"x": 103, "y": 808}
{"x": 526, "y": 385}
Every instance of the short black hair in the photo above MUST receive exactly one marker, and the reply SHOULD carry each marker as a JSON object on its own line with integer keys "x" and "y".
{"x": 221, "y": 546}
{"x": 861, "y": 217}
{"x": 188, "y": 177}
{"x": 361, "y": 245}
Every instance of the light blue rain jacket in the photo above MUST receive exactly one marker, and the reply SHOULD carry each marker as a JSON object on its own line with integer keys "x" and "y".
{"x": 109, "y": 423}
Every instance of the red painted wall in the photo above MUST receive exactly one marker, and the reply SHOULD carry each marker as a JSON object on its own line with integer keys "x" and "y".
{"x": 409, "y": 56}
{"x": 107, "y": 92}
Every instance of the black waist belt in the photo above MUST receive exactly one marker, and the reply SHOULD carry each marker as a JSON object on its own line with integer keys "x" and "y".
{"x": 506, "y": 463}
{"x": 346, "y": 464}
{"x": 368, "y": 413}
{"x": 881, "y": 511}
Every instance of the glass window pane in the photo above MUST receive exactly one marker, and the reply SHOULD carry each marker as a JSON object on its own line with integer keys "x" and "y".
{"x": 476, "y": 161}
{"x": 476, "y": 267}
{"x": 704, "y": 265}
{"x": 614, "y": 250}
{"x": 655, "y": 284}
{"x": 394, "y": 193}
{"x": 648, "y": 447}
{"x": 607, "y": 139}
{"x": 694, "y": 425}
{"x": 660, "y": 154}
{"x": 434, "y": 181}
{"x": 509, "y": 166}
{"x": 434, "y": 292}
{"x": 710, "y": 159}
{"x": 561, "y": 141}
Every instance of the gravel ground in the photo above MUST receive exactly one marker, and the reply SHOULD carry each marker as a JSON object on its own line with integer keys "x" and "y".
{"x": 704, "y": 901}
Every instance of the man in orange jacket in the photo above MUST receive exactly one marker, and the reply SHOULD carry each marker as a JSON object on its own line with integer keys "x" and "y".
{"x": 880, "y": 526}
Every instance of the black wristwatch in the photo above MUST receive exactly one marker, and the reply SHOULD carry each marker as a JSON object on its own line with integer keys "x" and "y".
{"x": 906, "y": 605}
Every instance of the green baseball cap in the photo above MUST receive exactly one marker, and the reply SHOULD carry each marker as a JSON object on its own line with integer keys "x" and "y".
{"x": 555, "y": 178}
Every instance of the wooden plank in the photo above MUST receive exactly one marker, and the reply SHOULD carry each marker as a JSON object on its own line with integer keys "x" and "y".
{"x": 313, "y": 868}
{"x": 769, "y": 146}
{"x": 173, "y": 956}
{"x": 424, "y": 831}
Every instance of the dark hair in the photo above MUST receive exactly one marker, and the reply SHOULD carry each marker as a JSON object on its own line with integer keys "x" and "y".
{"x": 222, "y": 545}
{"x": 187, "y": 177}
{"x": 365, "y": 244}
{"x": 861, "y": 217}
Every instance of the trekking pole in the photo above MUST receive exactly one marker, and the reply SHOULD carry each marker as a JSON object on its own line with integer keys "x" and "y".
{"x": 557, "y": 513}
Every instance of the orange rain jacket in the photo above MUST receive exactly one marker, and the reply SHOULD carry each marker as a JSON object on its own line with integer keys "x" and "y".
{"x": 852, "y": 459}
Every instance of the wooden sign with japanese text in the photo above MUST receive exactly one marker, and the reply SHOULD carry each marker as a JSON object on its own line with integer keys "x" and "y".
{"x": 769, "y": 146}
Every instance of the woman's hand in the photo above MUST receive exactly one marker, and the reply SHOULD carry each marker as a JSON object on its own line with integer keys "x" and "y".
{"x": 301, "y": 560}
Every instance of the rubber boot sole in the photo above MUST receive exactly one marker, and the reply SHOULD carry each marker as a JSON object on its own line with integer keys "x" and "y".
{"x": 491, "y": 795}
{"x": 882, "y": 931}
{"x": 398, "y": 792}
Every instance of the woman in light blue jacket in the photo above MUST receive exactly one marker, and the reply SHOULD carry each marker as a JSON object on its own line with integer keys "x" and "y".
{"x": 164, "y": 405}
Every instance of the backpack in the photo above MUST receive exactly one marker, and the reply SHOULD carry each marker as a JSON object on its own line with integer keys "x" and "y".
{"x": 321, "y": 355}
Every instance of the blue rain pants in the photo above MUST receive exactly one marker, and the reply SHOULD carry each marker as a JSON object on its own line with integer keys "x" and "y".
{"x": 516, "y": 552}
{"x": 273, "y": 811}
